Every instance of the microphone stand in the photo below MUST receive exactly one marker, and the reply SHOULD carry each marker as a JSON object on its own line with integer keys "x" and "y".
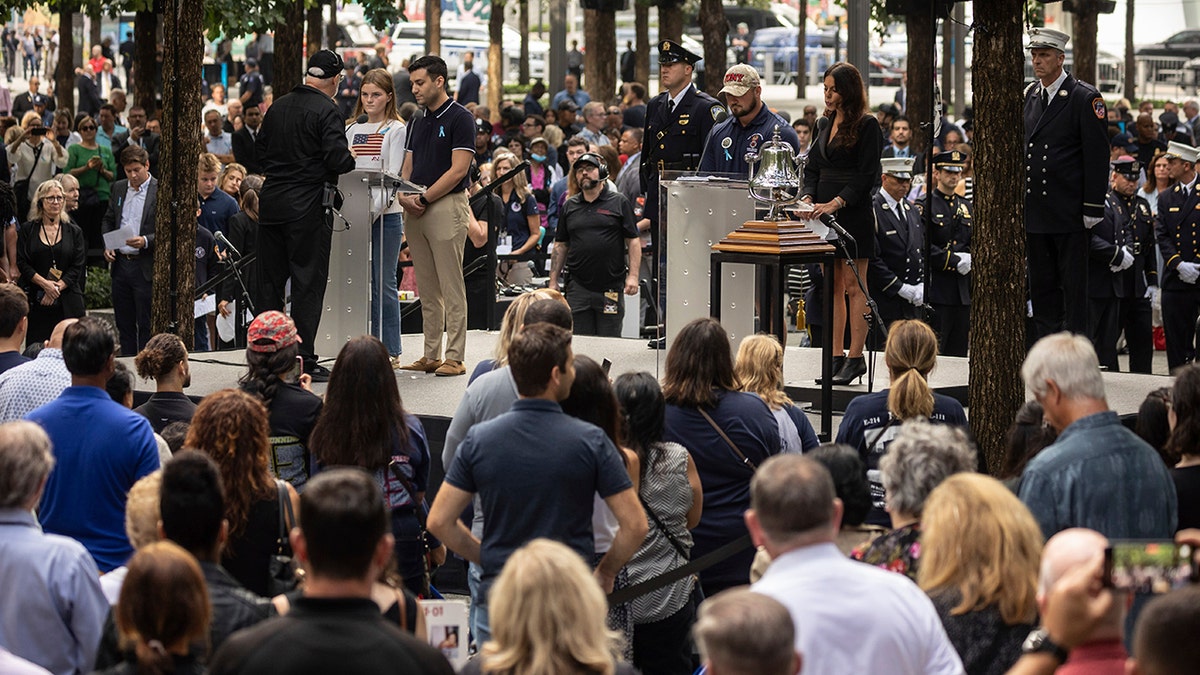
{"x": 872, "y": 315}
{"x": 234, "y": 268}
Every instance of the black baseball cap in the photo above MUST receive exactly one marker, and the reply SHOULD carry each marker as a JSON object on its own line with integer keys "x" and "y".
{"x": 325, "y": 64}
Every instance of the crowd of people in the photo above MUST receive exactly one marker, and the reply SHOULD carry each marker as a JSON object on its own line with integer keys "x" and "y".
{"x": 177, "y": 529}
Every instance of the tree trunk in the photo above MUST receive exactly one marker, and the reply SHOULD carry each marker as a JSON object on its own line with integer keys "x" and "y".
{"x": 600, "y": 59}
{"x": 145, "y": 54}
{"x": 523, "y": 26}
{"x": 641, "y": 42}
{"x": 1084, "y": 26}
{"x": 289, "y": 59}
{"x": 997, "y": 345}
{"x": 1130, "y": 60}
{"x": 715, "y": 29}
{"x": 94, "y": 36}
{"x": 920, "y": 79}
{"x": 947, "y": 66}
{"x": 801, "y": 43}
{"x": 670, "y": 20}
{"x": 331, "y": 24}
{"x": 64, "y": 74}
{"x": 175, "y": 222}
{"x": 313, "y": 20}
{"x": 495, "y": 57}
{"x": 433, "y": 26}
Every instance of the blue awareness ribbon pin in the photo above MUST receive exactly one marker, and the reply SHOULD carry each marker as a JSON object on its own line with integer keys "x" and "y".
{"x": 441, "y": 132}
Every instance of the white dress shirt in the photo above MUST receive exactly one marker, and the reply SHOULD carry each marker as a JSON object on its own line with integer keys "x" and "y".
{"x": 131, "y": 212}
{"x": 856, "y": 618}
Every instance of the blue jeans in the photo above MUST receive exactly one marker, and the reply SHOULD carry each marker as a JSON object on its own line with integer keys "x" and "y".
{"x": 478, "y": 618}
{"x": 386, "y": 253}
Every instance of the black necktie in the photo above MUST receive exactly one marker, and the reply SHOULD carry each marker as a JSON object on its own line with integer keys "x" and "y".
{"x": 670, "y": 106}
{"x": 1045, "y": 98}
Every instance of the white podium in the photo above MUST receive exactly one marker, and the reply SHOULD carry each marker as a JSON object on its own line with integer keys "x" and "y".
{"x": 347, "y": 308}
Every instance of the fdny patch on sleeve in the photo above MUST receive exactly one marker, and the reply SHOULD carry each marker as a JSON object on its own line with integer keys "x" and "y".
{"x": 1098, "y": 108}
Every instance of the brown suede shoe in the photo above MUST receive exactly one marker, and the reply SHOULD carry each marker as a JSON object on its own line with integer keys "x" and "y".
{"x": 423, "y": 365}
{"x": 450, "y": 368}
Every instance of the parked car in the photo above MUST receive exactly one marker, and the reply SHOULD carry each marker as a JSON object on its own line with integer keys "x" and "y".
{"x": 1184, "y": 45}
{"x": 774, "y": 49}
{"x": 355, "y": 41}
{"x": 1110, "y": 70}
{"x": 458, "y": 37}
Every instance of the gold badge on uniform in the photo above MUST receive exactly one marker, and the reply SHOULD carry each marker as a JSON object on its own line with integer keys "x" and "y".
{"x": 726, "y": 142}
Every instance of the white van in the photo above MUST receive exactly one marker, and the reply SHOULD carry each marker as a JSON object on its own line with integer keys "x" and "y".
{"x": 408, "y": 39}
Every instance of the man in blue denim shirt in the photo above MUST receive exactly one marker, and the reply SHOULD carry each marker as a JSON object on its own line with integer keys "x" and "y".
{"x": 1098, "y": 474}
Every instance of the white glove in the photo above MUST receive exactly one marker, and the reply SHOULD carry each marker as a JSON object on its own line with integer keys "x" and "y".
{"x": 964, "y": 263}
{"x": 1090, "y": 221}
{"x": 1029, "y": 309}
{"x": 1126, "y": 259}
{"x": 920, "y": 295}
{"x": 910, "y": 293}
{"x": 1188, "y": 272}
{"x": 1155, "y": 296}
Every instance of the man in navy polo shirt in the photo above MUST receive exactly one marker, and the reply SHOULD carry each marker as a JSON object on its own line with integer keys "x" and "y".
{"x": 744, "y": 132}
{"x": 441, "y": 145}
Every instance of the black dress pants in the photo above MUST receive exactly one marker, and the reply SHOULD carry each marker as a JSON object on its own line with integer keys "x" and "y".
{"x": 131, "y": 293}
{"x": 298, "y": 250}
{"x": 1111, "y": 316}
{"x": 1179, "y": 311}
{"x": 1058, "y": 282}
{"x": 952, "y": 324}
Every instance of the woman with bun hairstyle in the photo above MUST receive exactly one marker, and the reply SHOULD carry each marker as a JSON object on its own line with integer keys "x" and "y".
{"x": 873, "y": 420}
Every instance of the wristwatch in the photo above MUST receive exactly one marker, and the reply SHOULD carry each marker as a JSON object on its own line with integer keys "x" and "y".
{"x": 424, "y": 202}
{"x": 1039, "y": 642}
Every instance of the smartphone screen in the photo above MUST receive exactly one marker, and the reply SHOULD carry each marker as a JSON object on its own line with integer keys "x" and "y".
{"x": 606, "y": 366}
{"x": 1149, "y": 567}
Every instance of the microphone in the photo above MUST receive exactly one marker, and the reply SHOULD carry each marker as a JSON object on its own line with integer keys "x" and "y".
{"x": 832, "y": 224}
{"x": 220, "y": 237}
{"x": 362, "y": 119}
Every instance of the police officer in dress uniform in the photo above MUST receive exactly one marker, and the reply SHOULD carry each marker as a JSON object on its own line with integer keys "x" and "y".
{"x": 948, "y": 227}
{"x": 677, "y": 122}
{"x": 1121, "y": 272}
{"x": 1178, "y": 234}
{"x": 750, "y": 124}
{"x": 1066, "y": 179}
{"x": 896, "y": 277}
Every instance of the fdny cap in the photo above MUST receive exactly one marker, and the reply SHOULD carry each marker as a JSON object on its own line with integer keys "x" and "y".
{"x": 1127, "y": 166}
{"x": 1047, "y": 38}
{"x": 952, "y": 161}
{"x": 670, "y": 51}
{"x": 270, "y": 332}
{"x": 1177, "y": 150}
{"x": 740, "y": 79}
{"x": 898, "y": 167}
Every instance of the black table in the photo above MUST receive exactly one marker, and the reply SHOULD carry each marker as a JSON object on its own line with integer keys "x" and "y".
{"x": 771, "y": 271}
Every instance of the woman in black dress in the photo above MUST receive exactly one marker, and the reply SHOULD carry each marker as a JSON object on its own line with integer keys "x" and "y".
{"x": 51, "y": 254}
{"x": 842, "y": 168}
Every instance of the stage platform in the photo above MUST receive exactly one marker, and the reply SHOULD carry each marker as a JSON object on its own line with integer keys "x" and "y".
{"x": 435, "y": 398}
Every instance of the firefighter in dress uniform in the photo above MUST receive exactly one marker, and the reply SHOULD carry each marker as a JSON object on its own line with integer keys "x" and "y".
{"x": 677, "y": 122}
{"x": 948, "y": 226}
{"x": 1178, "y": 233}
{"x": 1122, "y": 272}
{"x": 896, "y": 278}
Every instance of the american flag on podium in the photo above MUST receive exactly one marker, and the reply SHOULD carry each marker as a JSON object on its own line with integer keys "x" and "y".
{"x": 367, "y": 144}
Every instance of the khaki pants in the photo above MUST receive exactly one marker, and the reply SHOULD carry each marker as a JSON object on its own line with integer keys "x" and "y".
{"x": 436, "y": 240}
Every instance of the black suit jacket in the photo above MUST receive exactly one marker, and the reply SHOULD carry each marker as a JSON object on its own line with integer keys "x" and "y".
{"x": 112, "y": 220}
{"x": 949, "y": 232}
{"x": 1126, "y": 223}
{"x": 244, "y": 151}
{"x": 1066, "y": 158}
{"x": 89, "y": 95}
{"x": 150, "y": 141}
{"x": 1178, "y": 231}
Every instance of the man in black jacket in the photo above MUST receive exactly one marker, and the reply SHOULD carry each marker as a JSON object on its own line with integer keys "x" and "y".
{"x": 244, "y": 140}
{"x": 1066, "y": 179}
{"x": 303, "y": 150}
{"x": 896, "y": 277}
{"x": 138, "y": 134}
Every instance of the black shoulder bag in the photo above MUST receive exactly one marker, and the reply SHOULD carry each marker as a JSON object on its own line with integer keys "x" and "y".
{"x": 423, "y": 536}
{"x": 283, "y": 567}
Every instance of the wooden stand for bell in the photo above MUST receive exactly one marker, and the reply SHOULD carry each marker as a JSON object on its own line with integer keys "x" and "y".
{"x": 773, "y": 236}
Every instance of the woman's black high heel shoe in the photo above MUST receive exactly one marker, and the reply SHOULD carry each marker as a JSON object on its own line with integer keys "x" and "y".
{"x": 853, "y": 369}
{"x": 838, "y": 362}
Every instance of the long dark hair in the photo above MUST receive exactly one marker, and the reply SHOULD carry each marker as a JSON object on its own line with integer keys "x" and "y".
{"x": 592, "y": 398}
{"x": 1028, "y": 435}
{"x": 1154, "y": 425}
{"x": 699, "y": 361}
{"x": 848, "y": 83}
{"x": 266, "y": 370}
{"x": 1185, "y": 400}
{"x": 363, "y": 418}
{"x": 643, "y": 413}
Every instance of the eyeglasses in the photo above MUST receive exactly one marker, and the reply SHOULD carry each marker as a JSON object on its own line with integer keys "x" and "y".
{"x": 87, "y": 128}
{"x": 56, "y": 198}
{"x": 529, "y": 125}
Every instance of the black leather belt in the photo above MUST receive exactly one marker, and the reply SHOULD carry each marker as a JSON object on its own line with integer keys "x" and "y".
{"x": 128, "y": 256}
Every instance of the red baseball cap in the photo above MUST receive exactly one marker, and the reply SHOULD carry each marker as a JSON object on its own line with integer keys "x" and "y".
{"x": 270, "y": 332}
